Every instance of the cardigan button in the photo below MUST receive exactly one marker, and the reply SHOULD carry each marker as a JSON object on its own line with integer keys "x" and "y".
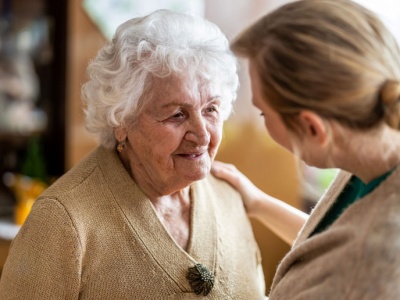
{"x": 201, "y": 279}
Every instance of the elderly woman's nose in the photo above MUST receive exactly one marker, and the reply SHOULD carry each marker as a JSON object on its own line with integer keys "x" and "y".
{"x": 198, "y": 131}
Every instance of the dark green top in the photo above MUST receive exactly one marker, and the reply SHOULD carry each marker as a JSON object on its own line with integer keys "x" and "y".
{"x": 354, "y": 190}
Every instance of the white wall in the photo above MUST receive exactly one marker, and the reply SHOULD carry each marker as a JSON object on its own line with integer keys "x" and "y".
{"x": 388, "y": 11}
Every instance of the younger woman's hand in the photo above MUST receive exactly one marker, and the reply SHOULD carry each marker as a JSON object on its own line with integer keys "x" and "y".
{"x": 282, "y": 218}
{"x": 250, "y": 193}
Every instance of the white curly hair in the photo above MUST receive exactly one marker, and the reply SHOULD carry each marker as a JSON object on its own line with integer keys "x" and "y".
{"x": 161, "y": 44}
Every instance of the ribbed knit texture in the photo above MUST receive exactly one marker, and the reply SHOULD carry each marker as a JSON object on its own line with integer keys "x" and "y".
{"x": 94, "y": 235}
{"x": 357, "y": 257}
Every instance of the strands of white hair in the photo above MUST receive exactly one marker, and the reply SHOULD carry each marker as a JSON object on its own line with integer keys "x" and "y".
{"x": 162, "y": 44}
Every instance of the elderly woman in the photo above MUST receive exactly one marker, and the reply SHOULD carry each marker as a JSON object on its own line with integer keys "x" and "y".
{"x": 140, "y": 217}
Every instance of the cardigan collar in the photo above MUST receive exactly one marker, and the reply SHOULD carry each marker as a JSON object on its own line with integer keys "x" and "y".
{"x": 330, "y": 196}
{"x": 145, "y": 224}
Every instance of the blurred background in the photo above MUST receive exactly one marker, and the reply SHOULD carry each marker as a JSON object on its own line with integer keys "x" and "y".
{"x": 45, "y": 46}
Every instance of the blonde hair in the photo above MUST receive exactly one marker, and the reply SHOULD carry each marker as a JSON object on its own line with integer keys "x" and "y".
{"x": 333, "y": 57}
{"x": 162, "y": 44}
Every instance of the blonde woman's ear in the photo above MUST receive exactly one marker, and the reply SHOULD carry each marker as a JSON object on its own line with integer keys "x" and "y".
{"x": 314, "y": 127}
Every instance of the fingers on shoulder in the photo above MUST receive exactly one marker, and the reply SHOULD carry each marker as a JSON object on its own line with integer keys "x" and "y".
{"x": 222, "y": 166}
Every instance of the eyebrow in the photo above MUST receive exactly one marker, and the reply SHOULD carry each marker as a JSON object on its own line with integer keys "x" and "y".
{"x": 184, "y": 104}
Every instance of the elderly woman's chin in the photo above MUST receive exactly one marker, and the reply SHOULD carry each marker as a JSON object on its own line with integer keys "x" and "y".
{"x": 194, "y": 168}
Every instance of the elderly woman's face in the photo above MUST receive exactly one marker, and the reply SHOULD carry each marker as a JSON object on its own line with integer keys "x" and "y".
{"x": 176, "y": 137}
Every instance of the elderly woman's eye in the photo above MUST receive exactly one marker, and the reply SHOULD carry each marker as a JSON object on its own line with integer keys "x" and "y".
{"x": 178, "y": 115}
{"x": 211, "y": 109}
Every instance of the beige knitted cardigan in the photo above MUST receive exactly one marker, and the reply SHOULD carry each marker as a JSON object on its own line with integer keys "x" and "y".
{"x": 95, "y": 235}
{"x": 357, "y": 257}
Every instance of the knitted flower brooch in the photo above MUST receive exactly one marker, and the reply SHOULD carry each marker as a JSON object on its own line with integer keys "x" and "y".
{"x": 201, "y": 279}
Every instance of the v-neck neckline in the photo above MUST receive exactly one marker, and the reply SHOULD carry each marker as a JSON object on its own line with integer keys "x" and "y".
{"x": 152, "y": 233}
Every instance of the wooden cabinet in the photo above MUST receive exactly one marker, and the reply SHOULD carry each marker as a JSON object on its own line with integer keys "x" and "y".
{"x": 33, "y": 59}
{"x": 33, "y": 51}
{"x": 84, "y": 40}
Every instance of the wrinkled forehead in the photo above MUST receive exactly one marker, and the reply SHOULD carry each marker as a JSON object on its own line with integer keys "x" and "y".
{"x": 186, "y": 86}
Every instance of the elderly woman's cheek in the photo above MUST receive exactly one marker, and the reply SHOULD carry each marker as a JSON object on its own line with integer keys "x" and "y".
{"x": 216, "y": 137}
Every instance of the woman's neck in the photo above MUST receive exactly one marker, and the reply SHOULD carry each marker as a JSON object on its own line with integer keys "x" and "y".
{"x": 173, "y": 206}
{"x": 155, "y": 189}
{"x": 368, "y": 154}
{"x": 174, "y": 212}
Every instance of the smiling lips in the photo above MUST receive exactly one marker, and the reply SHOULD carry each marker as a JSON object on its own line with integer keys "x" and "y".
{"x": 192, "y": 155}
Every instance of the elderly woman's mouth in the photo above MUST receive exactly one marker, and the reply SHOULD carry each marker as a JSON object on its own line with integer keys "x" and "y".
{"x": 191, "y": 155}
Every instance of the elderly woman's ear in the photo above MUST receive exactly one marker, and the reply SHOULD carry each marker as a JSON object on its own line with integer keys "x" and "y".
{"x": 120, "y": 134}
{"x": 121, "y": 137}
